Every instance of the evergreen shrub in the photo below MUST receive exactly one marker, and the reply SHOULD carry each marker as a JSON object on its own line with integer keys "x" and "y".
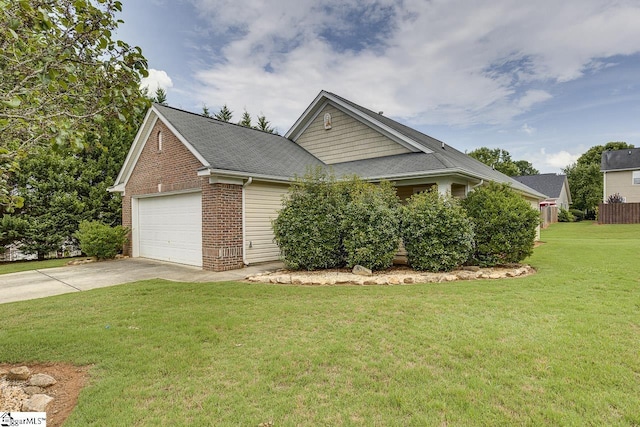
{"x": 437, "y": 233}
{"x": 101, "y": 240}
{"x": 504, "y": 224}
{"x": 370, "y": 225}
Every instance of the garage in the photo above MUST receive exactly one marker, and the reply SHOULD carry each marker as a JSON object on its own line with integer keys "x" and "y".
{"x": 169, "y": 228}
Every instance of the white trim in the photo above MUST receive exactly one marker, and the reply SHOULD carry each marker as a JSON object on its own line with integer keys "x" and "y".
{"x": 217, "y": 179}
{"x": 244, "y": 221}
{"x": 166, "y": 193}
{"x": 149, "y": 122}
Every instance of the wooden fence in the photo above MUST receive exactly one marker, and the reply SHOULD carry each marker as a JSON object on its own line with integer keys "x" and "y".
{"x": 548, "y": 215}
{"x": 619, "y": 213}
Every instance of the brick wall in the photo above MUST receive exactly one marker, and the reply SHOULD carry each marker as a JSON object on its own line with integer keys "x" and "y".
{"x": 174, "y": 168}
{"x": 221, "y": 227}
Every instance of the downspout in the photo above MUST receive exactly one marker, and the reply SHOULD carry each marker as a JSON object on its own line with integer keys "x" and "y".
{"x": 244, "y": 222}
{"x": 473, "y": 187}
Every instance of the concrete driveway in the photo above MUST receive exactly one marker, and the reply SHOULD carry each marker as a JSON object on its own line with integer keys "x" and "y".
{"x": 76, "y": 278}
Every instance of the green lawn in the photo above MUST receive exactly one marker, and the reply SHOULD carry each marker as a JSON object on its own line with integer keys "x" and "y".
{"x": 17, "y": 266}
{"x": 557, "y": 348}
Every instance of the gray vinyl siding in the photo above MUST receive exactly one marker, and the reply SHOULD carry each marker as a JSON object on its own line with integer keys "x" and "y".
{"x": 262, "y": 203}
{"x": 347, "y": 140}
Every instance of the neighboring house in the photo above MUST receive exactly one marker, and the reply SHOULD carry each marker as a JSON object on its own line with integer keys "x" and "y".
{"x": 556, "y": 187}
{"x": 621, "y": 170}
{"x": 203, "y": 192}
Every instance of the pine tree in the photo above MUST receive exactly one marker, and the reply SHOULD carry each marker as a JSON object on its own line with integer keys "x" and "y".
{"x": 246, "y": 119}
{"x": 224, "y": 114}
{"x": 161, "y": 96}
{"x": 263, "y": 125}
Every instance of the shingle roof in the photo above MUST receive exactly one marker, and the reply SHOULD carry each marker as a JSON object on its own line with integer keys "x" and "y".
{"x": 446, "y": 155}
{"x": 546, "y": 183}
{"x": 234, "y": 148}
{"x": 227, "y": 146}
{"x": 628, "y": 158}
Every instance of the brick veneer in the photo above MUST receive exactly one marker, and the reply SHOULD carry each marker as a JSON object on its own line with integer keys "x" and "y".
{"x": 174, "y": 168}
{"x": 221, "y": 227}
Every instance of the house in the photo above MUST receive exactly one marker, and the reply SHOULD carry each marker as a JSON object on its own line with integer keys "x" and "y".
{"x": 556, "y": 187}
{"x": 202, "y": 192}
{"x": 621, "y": 171}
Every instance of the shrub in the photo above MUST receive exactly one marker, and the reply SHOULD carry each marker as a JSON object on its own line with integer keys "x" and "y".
{"x": 370, "y": 225}
{"x": 101, "y": 240}
{"x": 504, "y": 224}
{"x": 565, "y": 216}
{"x": 577, "y": 214}
{"x": 437, "y": 233}
{"x": 307, "y": 228}
{"x": 615, "y": 198}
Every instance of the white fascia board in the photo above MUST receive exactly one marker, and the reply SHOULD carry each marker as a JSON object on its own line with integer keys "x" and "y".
{"x": 186, "y": 143}
{"x": 153, "y": 115}
{"x": 134, "y": 151}
{"x": 245, "y": 175}
{"x": 116, "y": 189}
{"x": 305, "y": 115}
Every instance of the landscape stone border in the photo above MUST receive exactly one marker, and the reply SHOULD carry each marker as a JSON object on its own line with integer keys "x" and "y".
{"x": 395, "y": 276}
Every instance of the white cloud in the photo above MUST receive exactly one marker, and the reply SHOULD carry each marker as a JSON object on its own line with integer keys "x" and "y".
{"x": 528, "y": 129}
{"x": 156, "y": 79}
{"x": 441, "y": 62}
{"x": 552, "y": 162}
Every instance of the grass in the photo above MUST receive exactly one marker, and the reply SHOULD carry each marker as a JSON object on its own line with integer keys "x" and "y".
{"x": 18, "y": 266}
{"x": 556, "y": 348}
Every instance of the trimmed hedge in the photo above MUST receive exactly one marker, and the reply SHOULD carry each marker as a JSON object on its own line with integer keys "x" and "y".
{"x": 437, "y": 233}
{"x": 101, "y": 240}
{"x": 307, "y": 228}
{"x": 504, "y": 224}
{"x": 565, "y": 215}
{"x": 329, "y": 224}
{"x": 370, "y": 225}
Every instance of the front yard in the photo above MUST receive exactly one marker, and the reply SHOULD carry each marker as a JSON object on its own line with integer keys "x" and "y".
{"x": 556, "y": 348}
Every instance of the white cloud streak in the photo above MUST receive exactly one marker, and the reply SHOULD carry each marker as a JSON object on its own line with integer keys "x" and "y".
{"x": 441, "y": 62}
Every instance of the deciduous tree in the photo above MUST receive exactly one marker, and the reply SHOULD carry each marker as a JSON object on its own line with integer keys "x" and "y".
{"x": 63, "y": 74}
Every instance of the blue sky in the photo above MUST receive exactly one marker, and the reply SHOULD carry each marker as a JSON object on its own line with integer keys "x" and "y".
{"x": 545, "y": 80}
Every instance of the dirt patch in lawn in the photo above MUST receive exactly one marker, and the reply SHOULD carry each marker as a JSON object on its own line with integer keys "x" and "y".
{"x": 70, "y": 380}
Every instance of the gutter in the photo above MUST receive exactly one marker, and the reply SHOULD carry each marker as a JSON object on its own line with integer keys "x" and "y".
{"x": 244, "y": 222}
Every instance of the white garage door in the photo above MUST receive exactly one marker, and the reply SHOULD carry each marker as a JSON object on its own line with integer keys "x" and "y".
{"x": 170, "y": 228}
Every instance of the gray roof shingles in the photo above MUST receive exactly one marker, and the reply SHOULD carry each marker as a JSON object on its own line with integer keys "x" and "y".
{"x": 546, "y": 183}
{"x": 628, "y": 158}
{"x": 235, "y": 148}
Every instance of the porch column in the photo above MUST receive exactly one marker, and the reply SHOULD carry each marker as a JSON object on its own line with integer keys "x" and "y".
{"x": 444, "y": 186}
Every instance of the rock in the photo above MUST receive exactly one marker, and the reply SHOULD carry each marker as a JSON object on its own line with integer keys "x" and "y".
{"x": 284, "y": 279}
{"x": 369, "y": 282}
{"x": 361, "y": 271}
{"x": 394, "y": 280}
{"x": 473, "y": 268}
{"x": 3, "y": 372}
{"x": 41, "y": 380}
{"x": 21, "y": 373}
{"x": 408, "y": 280}
{"x": 37, "y": 403}
{"x": 495, "y": 276}
{"x": 31, "y": 390}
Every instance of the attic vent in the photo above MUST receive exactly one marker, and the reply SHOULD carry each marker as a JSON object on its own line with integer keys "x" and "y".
{"x": 327, "y": 121}
{"x": 381, "y": 112}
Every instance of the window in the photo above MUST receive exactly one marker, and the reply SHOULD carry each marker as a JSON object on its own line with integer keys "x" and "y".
{"x": 159, "y": 141}
{"x": 636, "y": 178}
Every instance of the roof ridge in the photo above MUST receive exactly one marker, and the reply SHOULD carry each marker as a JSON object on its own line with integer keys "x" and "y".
{"x": 222, "y": 122}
